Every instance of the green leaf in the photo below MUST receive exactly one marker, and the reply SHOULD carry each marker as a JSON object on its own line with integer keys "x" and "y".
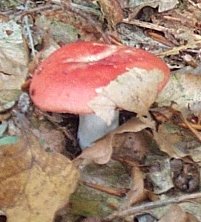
{"x": 6, "y": 140}
{"x": 3, "y": 128}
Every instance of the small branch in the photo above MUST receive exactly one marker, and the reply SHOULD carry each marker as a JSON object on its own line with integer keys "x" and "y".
{"x": 119, "y": 192}
{"x": 178, "y": 49}
{"x": 28, "y": 30}
{"x": 194, "y": 131}
{"x": 152, "y": 205}
{"x": 147, "y": 25}
{"x": 14, "y": 15}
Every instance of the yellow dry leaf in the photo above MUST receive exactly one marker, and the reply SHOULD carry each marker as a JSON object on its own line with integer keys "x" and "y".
{"x": 34, "y": 184}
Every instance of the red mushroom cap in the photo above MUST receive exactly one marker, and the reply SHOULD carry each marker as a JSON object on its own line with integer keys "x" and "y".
{"x": 67, "y": 80}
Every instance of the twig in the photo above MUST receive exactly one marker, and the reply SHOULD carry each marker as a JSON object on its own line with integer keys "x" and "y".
{"x": 31, "y": 11}
{"x": 173, "y": 51}
{"x": 147, "y": 25}
{"x": 53, "y": 7}
{"x": 119, "y": 192}
{"x": 29, "y": 32}
{"x": 176, "y": 50}
{"x": 152, "y": 205}
{"x": 190, "y": 127}
{"x": 80, "y": 7}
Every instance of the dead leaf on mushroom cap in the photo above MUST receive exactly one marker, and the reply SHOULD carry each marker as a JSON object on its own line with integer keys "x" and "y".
{"x": 100, "y": 152}
{"x": 34, "y": 183}
{"x": 134, "y": 91}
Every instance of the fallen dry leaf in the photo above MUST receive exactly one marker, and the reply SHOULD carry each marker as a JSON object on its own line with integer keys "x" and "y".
{"x": 130, "y": 146}
{"x": 100, "y": 152}
{"x": 34, "y": 184}
{"x": 184, "y": 90}
{"x": 164, "y": 5}
{"x": 160, "y": 176}
{"x": 112, "y": 11}
{"x": 8, "y": 98}
{"x": 176, "y": 213}
{"x": 102, "y": 149}
{"x": 134, "y": 91}
{"x": 13, "y": 56}
{"x": 137, "y": 192}
{"x": 13, "y": 63}
{"x": 180, "y": 142}
{"x": 53, "y": 139}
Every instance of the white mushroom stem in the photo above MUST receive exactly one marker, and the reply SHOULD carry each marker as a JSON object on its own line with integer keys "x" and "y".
{"x": 92, "y": 127}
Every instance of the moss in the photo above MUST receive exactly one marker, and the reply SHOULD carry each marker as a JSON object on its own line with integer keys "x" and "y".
{"x": 9, "y": 4}
{"x": 90, "y": 202}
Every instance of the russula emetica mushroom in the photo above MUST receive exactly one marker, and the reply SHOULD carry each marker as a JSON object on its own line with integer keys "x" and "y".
{"x": 68, "y": 80}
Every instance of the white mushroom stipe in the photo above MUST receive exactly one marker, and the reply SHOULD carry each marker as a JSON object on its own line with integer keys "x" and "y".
{"x": 92, "y": 127}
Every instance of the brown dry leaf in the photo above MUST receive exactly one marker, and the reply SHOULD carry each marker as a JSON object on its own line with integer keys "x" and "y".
{"x": 112, "y": 11}
{"x": 180, "y": 142}
{"x": 130, "y": 146}
{"x": 135, "y": 91}
{"x": 101, "y": 151}
{"x": 137, "y": 192}
{"x": 34, "y": 184}
{"x": 167, "y": 146}
{"x": 175, "y": 213}
{"x": 52, "y": 138}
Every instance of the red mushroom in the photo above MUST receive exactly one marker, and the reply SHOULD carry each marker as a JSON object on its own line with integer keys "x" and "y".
{"x": 67, "y": 81}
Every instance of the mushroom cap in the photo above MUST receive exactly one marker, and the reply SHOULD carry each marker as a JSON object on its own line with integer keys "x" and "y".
{"x": 67, "y": 80}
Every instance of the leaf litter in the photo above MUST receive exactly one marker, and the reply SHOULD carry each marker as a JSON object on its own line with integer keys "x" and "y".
{"x": 34, "y": 183}
{"x": 167, "y": 166}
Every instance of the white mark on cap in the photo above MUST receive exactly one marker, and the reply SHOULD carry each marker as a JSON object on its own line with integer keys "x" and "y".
{"x": 96, "y": 57}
